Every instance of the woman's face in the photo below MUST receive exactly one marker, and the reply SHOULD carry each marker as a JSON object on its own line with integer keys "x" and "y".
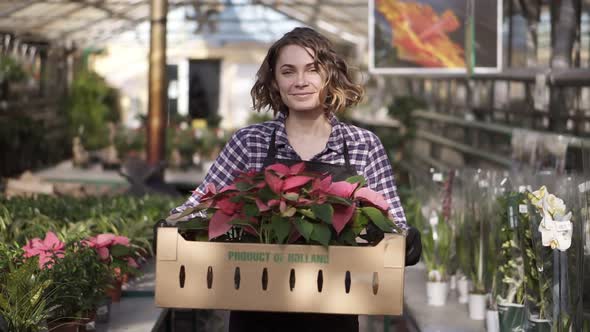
{"x": 298, "y": 80}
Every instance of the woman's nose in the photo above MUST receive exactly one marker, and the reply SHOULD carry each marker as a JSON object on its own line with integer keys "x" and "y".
{"x": 301, "y": 80}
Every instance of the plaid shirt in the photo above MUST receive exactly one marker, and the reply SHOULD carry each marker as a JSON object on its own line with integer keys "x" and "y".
{"x": 247, "y": 150}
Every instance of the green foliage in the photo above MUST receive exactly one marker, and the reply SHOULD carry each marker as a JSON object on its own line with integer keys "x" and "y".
{"x": 26, "y": 301}
{"x": 90, "y": 108}
{"x": 25, "y": 218}
{"x": 537, "y": 264}
{"x": 11, "y": 70}
{"x": 80, "y": 279}
{"x": 436, "y": 246}
{"x": 402, "y": 108}
{"x": 510, "y": 273}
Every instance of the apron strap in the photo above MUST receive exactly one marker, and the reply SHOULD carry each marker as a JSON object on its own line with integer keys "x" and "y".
{"x": 272, "y": 151}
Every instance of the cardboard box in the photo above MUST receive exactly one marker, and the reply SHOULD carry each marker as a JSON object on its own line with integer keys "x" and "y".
{"x": 287, "y": 278}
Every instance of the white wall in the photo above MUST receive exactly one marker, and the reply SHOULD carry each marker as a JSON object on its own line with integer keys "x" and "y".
{"x": 125, "y": 66}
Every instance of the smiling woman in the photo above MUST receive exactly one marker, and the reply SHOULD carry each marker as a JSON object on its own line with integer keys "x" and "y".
{"x": 305, "y": 83}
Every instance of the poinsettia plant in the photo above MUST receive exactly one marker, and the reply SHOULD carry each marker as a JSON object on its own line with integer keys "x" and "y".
{"x": 116, "y": 251}
{"x": 46, "y": 249}
{"x": 283, "y": 204}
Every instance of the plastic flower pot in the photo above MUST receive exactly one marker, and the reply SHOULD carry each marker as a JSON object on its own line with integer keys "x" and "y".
{"x": 453, "y": 282}
{"x": 463, "y": 289}
{"x": 512, "y": 317}
{"x": 114, "y": 292}
{"x": 535, "y": 324}
{"x": 436, "y": 292}
{"x": 477, "y": 306}
{"x": 492, "y": 321}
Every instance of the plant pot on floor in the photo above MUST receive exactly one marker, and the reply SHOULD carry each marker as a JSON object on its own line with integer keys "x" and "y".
{"x": 463, "y": 289}
{"x": 436, "y": 292}
{"x": 534, "y": 324}
{"x": 114, "y": 292}
{"x": 512, "y": 317}
{"x": 492, "y": 321}
{"x": 453, "y": 282}
{"x": 477, "y": 306}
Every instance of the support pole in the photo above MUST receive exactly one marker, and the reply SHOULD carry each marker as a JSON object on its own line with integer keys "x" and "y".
{"x": 156, "y": 126}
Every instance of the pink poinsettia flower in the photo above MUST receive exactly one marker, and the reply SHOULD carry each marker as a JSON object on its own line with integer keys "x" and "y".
{"x": 274, "y": 182}
{"x": 342, "y": 216}
{"x": 372, "y": 197}
{"x": 295, "y": 182}
{"x": 132, "y": 263}
{"x": 45, "y": 249}
{"x": 219, "y": 224}
{"x": 102, "y": 242}
{"x": 342, "y": 189}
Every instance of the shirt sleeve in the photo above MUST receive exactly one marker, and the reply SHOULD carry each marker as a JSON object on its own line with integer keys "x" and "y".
{"x": 233, "y": 158}
{"x": 379, "y": 176}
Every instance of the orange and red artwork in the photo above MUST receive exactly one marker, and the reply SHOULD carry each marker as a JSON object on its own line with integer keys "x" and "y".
{"x": 421, "y": 34}
{"x": 430, "y": 35}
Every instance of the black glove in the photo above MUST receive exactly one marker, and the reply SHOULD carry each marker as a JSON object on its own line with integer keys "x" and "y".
{"x": 413, "y": 246}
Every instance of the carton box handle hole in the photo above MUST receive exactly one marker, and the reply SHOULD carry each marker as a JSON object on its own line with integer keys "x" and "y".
{"x": 320, "y": 280}
{"x": 181, "y": 276}
{"x": 292, "y": 280}
{"x": 347, "y": 282}
{"x": 209, "y": 277}
{"x": 237, "y": 278}
{"x": 264, "y": 279}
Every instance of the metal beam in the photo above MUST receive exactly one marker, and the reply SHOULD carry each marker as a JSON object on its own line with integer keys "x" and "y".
{"x": 300, "y": 19}
{"x": 49, "y": 21}
{"x": 464, "y": 148}
{"x": 574, "y": 141}
{"x": 19, "y": 7}
{"x": 67, "y": 33}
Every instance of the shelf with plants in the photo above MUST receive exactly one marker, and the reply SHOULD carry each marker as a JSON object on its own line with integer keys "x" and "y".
{"x": 74, "y": 252}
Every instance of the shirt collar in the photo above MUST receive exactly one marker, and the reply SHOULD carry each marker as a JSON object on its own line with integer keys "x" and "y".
{"x": 334, "y": 141}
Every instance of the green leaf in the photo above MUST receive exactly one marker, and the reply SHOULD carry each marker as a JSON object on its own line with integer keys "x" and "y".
{"x": 338, "y": 200}
{"x": 198, "y": 223}
{"x": 304, "y": 227}
{"x": 324, "y": 212}
{"x": 118, "y": 250}
{"x": 359, "y": 222}
{"x": 347, "y": 236}
{"x": 265, "y": 194}
{"x": 307, "y": 213}
{"x": 244, "y": 186}
{"x": 378, "y": 218}
{"x": 251, "y": 210}
{"x": 322, "y": 234}
{"x": 357, "y": 179}
{"x": 281, "y": 228}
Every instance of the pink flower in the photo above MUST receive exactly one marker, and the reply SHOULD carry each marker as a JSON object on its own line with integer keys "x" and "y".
{"x": 372, "y": 197}
{"x": 102, "y": 242}
{"x": 45, "y": 249}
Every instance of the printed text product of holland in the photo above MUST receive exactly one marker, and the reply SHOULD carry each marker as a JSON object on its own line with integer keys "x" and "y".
{"x": 253, "y": 256}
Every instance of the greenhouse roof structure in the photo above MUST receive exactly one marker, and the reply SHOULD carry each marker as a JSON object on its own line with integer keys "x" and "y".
{"x": 94, "y": 22}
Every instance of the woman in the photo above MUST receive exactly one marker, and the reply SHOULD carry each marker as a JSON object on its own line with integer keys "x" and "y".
{"x": 305, "y": 83}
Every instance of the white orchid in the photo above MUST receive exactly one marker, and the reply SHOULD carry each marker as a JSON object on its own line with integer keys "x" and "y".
{"x": 536, "y": 197}
{"x": 556, "y": 226}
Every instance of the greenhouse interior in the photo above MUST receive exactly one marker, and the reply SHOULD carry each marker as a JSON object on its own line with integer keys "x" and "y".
{"x": 435, "y": 173}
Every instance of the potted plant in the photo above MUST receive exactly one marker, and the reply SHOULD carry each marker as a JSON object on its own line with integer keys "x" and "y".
{"x": 547, "y": 215}
{"x": 284, "y": 204}
{"x": 436, "y": 244}
{"x": 116, "y": 252}
{"x": 437, "y": 235}
{"x": 25, "y": 300}
{"x": 508, "y": 291}
{"x": 478, "y": 226}
{"x": 79, "y": 279}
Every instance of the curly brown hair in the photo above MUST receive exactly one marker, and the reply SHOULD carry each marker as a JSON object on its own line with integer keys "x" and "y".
{"x": 338, "y": 92}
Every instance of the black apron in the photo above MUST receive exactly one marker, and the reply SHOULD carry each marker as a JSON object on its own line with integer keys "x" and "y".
{"x": 257, "y": 321}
